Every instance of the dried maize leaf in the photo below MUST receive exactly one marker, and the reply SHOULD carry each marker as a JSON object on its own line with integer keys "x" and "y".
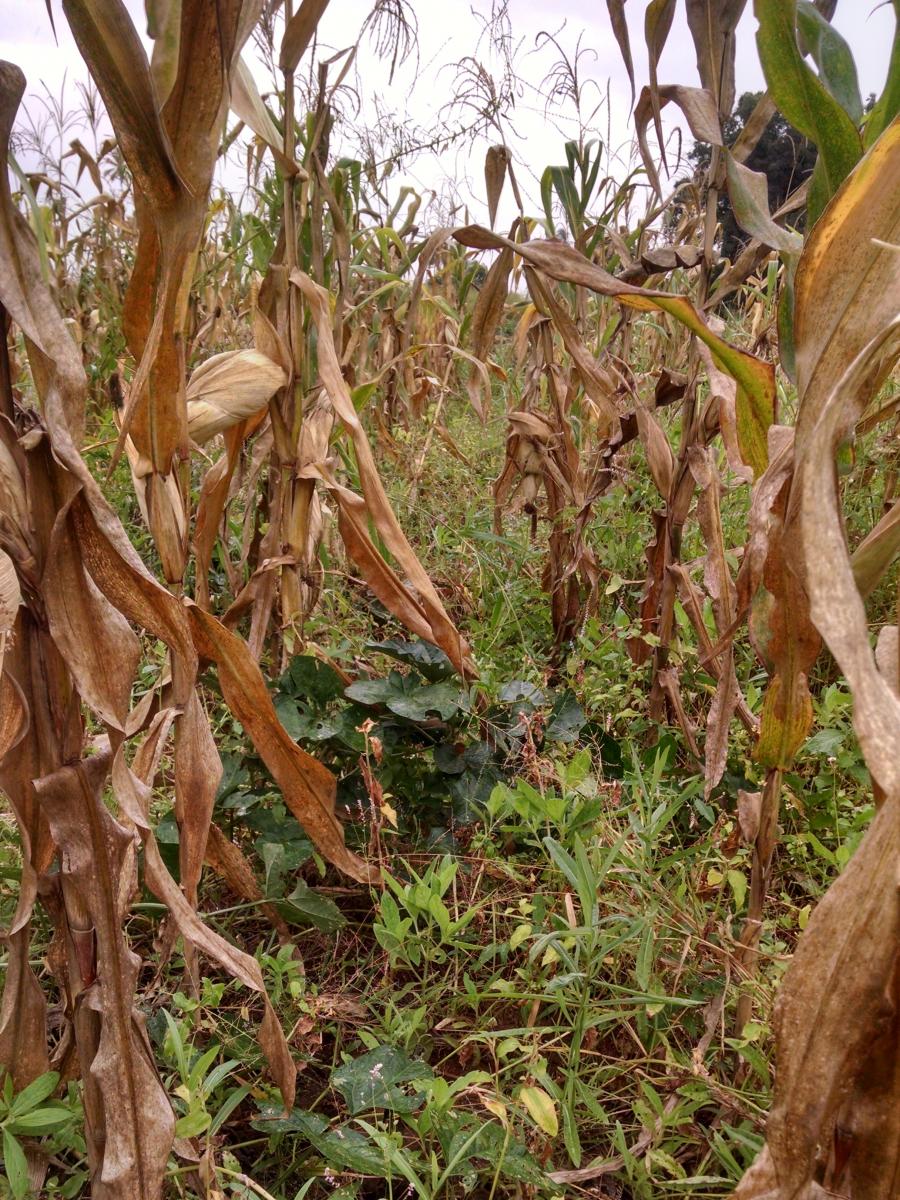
{"x": 129, "y": 1123}
{"x": 755, "y": 379}
{"x": 230, "y": 388}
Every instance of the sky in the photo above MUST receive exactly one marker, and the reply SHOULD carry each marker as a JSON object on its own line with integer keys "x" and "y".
{"x": 424, "y": 85}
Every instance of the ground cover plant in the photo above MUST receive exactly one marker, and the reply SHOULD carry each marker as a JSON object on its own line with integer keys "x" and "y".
{"x": 448, "y": 676}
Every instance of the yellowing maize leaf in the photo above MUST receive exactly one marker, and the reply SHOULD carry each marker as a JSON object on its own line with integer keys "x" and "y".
{"x": 755, "y": 403}
{"x": 541, "y": 1109}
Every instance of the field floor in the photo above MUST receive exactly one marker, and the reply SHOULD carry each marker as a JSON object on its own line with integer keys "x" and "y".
{"x": 550, "y": 996}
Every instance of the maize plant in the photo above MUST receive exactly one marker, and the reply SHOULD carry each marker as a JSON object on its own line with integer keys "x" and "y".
{"x": 263, "y": 361}
{"x": 75, "y": 594}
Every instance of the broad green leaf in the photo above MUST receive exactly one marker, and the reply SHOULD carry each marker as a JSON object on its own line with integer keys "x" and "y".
{"x": 40, "y": 1120}
{"x": 342, "y": 1146}
{"x": 424, "y": 702}
{"x": 737, "y": 881}
{"x": 406, "y": 696}
{"x": 194, "y": 1123}
{"x": 376, "y": 691}
{"x": 428, "y": 659}
{"x": 308, "y": 678}
{"x": 520, "y": 689}
{"x": 15, "y": 1165}
{"x": 520, "y": 934}
{"x": 274, "y": 859}
{"x": 888, "y": 104}
{"x": 804, "y": 99}
{"x": 36, "y": 1092}
{"x": 833, "y": 57}
{"x": 384, "y": 1078}
{"x": 749, "y": 194}
{"x": 306, "y": 906}
{"x": 567, "y": 719}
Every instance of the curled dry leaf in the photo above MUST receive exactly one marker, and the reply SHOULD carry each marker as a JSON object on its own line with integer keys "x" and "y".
{"x": 749, "y": 808}
{"x": 496, "y": 162}
{"x": 23, "y": 292}
{"x": 486, "y": 319}
{"x": 669, "y": 258}
{"x": 198, "y": 770}
{"x": 90, "y": 587}
{"x": 161, "y": 507}
{"x": 433, "y": 244}
{"x": 230, "y": 388}
{"x": 247, "y": 104}
{"x": 23, "y": 1010}
{"x": 170, "y": 140}
{"x": 723, "y": 392}
{"x": 129, "y": 1121}
{"x": 658, "y": 17}
{"x": 755, "y": 379}
{"x": 214, "y": 492}
{"x": 877, "y": 551}
{"x": 786, "y": 641}
{"x": 754, "y": 127}
{"x": 619, "y": 22}
{"x": 10, "y": 599}
{"x": 720, "y": 588}
{"x": 712, "y": 24}
{"x": 847, "y": 334}
{"x": 699, "y": 108}
{"x": 97, "y": 643}
{"x": 831, "y": 1017}
{"x": 670, "y": 684}
{"x": 596, "y": 382}
{"x": 308, "y": 787}
{"x": 228, "y": 861}
{"x": 13, "y": 501}
{"x": 443, "y": 632}
{"x": 749, "y": 194}
{"x": 133, "y": 793}
{"x": 764, "y": 521}
{"x": 299, "y": 33}
{"x": 660, "y": 459}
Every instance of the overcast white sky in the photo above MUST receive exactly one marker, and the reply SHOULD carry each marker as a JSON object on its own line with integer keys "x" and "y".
{"x": 448, "y": 31}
